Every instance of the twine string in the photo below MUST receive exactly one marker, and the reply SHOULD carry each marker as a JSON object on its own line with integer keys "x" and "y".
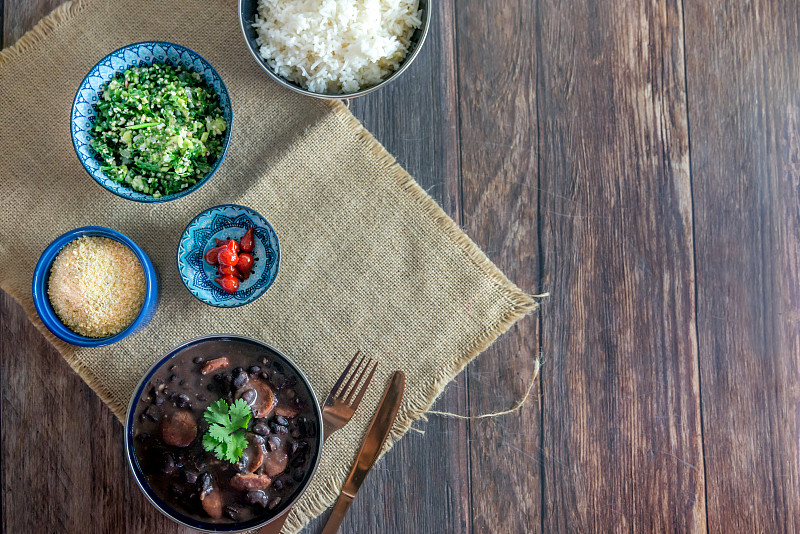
{"x": 517, "y": 407}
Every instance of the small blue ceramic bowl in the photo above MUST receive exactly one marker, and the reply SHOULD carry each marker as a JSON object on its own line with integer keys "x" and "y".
{"x": 228, "y": 221}
{"x": 84, "y": 107}
{"x": 41, "y": 277}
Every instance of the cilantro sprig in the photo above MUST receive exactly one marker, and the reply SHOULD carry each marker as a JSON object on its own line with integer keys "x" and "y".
{"x": 225, "y": 436}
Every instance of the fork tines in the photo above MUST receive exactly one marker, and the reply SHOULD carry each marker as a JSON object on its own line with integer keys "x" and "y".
{"x": 352, "y": 391}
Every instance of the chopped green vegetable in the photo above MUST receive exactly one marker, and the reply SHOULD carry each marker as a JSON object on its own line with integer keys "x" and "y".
{"x": 225, "y": 437}
{"x": 159, "y": 129}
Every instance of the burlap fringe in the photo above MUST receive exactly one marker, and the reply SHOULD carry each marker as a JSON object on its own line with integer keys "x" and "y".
{"x": 517, "y": 407}
{"x": 417, "y": 408}
{"x": 42, "y": 29}
{"x": 414, "y": 409}
{"x": 537, "y": 364}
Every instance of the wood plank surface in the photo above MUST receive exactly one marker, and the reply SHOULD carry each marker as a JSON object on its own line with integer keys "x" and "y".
{"x": 22, "y": 15}
{"x": 639, "y": 160}
{"x": 434, "y": 465}
{"x": 744, "y": 116}
{"x": 497, "y": 93}
{"x": 422, "y": 484}
{"x": 622, "y": 431}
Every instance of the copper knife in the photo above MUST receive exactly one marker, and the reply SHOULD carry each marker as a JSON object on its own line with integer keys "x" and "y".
{"x": 378, "y": 431}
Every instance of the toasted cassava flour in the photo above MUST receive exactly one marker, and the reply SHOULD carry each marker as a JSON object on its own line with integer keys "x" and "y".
{"x": 335, "y": 46}
{"x": 96, "y": 286}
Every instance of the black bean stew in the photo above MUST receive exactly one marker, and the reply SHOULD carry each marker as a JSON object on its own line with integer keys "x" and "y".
{"x": 282, "y": 435}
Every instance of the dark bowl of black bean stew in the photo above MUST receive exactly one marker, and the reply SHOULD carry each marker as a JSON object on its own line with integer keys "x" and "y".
{"x": 223, "y": 434}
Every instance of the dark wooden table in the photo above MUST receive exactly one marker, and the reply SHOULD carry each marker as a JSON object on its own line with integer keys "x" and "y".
{"x": 641, "y": 162}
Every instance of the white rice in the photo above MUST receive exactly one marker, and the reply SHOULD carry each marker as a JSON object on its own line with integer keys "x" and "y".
{"x": 335, "y": 46}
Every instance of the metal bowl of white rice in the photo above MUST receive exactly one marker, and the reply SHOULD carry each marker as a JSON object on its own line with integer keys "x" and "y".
{"x": 334, "y": 48}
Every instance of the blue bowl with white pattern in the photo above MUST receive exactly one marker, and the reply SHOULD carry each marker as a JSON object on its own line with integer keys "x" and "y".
{"x": 228, "y": 221}
{"x": 84, "y": 107}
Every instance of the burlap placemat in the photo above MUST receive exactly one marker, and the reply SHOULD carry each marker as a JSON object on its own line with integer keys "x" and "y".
{"x": 369, "y": 260}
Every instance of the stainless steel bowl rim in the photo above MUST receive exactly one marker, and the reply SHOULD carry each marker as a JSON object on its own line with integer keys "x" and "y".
{"x": 163, "y": 359}
{"x": 426, "y": 24}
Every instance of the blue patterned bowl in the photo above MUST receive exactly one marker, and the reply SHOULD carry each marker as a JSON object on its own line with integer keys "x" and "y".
{"x": 84, "y": 107}
{"x": 228, "y": 221}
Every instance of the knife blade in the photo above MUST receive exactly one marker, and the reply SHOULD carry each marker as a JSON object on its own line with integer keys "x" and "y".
{"x": 379, "y": 429}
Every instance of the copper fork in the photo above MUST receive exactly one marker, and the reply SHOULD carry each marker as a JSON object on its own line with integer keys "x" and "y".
{"x": 340, "y": 406}
{"x": 337, "y": 410}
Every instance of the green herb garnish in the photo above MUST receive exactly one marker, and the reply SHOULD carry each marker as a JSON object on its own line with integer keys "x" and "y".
{"x": 158, "y": 129}
{"x": 225, "y": 436}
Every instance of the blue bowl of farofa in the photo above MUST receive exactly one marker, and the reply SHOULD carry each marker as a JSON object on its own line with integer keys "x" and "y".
{"x": 41, "y": 281}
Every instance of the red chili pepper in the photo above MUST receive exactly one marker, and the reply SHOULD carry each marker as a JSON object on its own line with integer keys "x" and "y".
{"x": 248, "y": 241}
{"x": 211, "y": 256}
{"x": 245, "y": 264}
{"x": 227, "y": 269}
{"x": 224, "y": 243}
{"x": 241, "y": 275}
{"x": 228, "y": 256}
{"x": 228, "y": 283}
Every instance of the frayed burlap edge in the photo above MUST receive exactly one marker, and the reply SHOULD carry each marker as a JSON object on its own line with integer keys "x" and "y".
{"x": 413, "y": 409}
{"x": 66, "y": 350}
{"x": 42, "y": 29}
{"x": 416, "y": 408}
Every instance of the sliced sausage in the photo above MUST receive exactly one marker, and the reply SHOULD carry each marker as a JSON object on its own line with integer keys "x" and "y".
{"x": 255, "y": 455}
{"x": 265, "y": 399}
{"x": 179, "y": 429}
{"x": 212, "y": 503}
{"x": 212, "y": 366}
{"x": 286, "y": 411}
{"x": 250, "y": 482}
{"x": 275, "y": 462}
{"x": 262, "y": 400}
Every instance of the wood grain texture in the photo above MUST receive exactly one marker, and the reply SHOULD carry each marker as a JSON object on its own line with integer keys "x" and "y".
{"x": 422, "y": 485}
{"x": 622, "y": 430}
{"x": 497, "y": 59}
{"x": 651, "y": 185}
{"x": 22, "y": 15}
{"x": 63, "y": 463}
{"x": 745, "y": 127}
